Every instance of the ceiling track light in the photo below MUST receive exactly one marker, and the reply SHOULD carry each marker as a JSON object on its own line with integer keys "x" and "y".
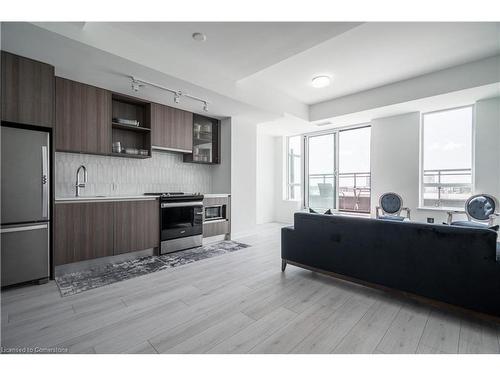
{"x": 138, "y": 83}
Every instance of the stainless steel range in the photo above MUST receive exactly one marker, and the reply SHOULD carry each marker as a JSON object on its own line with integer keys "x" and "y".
{"x": 181, "y": 221}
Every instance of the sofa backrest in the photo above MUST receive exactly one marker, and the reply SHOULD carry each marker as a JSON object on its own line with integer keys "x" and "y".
{"x": 455, "y": 241}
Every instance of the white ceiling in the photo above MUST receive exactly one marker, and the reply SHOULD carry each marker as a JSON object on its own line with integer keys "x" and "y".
{"x": 264, "y": 67}
{"x": 376, "y": 54}
{"x": 233, "y": 50}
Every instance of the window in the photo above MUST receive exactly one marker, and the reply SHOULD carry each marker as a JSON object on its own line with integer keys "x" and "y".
{"x": 337, "y": 169}
{"x": 321, "y": 171}
{"x": 447, "y": 158}
{"x": 294, "y": 167}
{"x": 354, "y": 170}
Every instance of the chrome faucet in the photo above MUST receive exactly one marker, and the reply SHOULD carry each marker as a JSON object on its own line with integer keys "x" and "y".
{"x": 79, "y": 184}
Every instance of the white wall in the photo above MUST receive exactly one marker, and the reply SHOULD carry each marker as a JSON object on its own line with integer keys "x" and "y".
{"x": 284, "y": 209}
{"x": 395, "y": 155}
{"x": 395, "y": 158}
{"x": 487, "y": 152}
{"x": 221, "y": 173}
{"x": 243, "y": 175}
{"x": 265, "y": 178}
{"x": 395, "y": 161}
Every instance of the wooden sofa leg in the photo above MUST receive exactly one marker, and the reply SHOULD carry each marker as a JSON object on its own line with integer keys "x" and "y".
{"x": 283, "y": 265}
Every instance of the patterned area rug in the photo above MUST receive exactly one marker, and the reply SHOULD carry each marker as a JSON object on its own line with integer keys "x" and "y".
{"x": 110, "y": 273}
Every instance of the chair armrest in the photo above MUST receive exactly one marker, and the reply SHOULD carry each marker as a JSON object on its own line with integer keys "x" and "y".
{"x": 450, "y": 217}
{"x": 407, "y": 212}
{"x": 492, "y": 218}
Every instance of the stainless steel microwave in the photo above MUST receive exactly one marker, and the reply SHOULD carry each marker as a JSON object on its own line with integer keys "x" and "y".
{"x": 215, "y": 212}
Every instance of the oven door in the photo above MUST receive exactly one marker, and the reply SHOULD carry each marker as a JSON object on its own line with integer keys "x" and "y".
{"x": 181, "y": 219}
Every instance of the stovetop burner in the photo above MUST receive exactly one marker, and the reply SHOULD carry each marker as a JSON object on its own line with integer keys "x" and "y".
{"x": 170, "y": 196}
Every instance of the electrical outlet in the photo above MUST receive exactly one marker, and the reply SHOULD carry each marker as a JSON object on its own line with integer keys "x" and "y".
{"x": 430, "y": 220}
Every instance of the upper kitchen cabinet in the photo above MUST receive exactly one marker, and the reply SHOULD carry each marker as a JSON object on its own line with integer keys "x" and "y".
{"x": 172, "y": 128}
{"x": 206, "y": 141}
{"x": 27, "y": 91}
{"x": 83, "y": 118}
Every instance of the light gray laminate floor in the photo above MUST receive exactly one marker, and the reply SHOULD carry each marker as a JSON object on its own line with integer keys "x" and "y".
{"x": 237, "y": 303}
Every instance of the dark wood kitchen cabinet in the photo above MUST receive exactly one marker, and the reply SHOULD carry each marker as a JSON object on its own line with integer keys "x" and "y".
{"x": 172, "y": 128}
{"x": 136, "y": 226}
{"x": 83, "y": 118}
{"x": 83, "y": 231}
{"x": 27, "y": 91}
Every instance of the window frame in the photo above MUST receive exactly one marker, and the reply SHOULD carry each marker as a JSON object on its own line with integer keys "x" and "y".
{"x": 287, "y": 184}
{"x": 421, "y": 162}
{"x": 305, "y": 161}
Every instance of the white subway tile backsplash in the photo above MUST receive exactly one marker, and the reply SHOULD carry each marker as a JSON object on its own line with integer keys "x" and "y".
{"x": 108, "y": 175}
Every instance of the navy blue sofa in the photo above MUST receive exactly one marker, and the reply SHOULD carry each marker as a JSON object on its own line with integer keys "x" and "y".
{"x": 455, "y": 265}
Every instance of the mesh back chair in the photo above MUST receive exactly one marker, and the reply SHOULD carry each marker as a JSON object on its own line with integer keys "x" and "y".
{"x": 481, "y": 211}
{"x": 390, "y": 207}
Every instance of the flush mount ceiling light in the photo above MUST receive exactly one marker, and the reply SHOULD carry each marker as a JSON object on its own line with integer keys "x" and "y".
{"x": 320, "y": 81}
{"x": 199, "y": 37}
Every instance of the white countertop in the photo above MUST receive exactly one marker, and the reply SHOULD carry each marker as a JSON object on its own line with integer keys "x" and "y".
{"x": 106, "y": 198}
{"x": 222, "y": 195}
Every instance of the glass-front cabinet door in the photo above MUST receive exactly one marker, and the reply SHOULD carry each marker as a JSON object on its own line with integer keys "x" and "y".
{"x": 321, "y": 172}
{"x": 206, "y": 136}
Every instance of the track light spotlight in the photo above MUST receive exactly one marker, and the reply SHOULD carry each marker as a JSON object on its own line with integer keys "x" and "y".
{"x": 205, "y": 106}
{"x": 136, "y": 86}
{"x": 177, "y": 97}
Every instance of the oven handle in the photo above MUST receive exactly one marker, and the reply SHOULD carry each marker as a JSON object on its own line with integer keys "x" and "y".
{"x": 181, "y": 204}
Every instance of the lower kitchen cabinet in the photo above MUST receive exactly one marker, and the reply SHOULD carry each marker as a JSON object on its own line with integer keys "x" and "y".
{"x": 83, "y": 231}
{"x": 136, "y": 226}
{"x": 89, "y": 230}
{"x": 216, "y": 229}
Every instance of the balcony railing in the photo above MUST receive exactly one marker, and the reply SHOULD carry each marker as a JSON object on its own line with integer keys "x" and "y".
{"x": 353, "y": 190}
{"x": 446, "y": 187}
{"x": 441, "y": 188}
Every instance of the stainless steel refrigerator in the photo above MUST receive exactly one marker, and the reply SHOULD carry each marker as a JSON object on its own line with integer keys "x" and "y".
{"x": 25, "y": 225}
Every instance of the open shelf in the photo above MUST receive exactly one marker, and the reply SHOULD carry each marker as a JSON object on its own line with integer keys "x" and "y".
{"x": 130, "y": 127}
{"x": 130, "y": 136}
{"x": 123, "y": 155}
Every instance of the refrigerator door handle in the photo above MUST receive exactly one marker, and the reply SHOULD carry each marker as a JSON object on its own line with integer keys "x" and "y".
{"x": 45, "y": 182}
{"x": 24, "y": 228}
